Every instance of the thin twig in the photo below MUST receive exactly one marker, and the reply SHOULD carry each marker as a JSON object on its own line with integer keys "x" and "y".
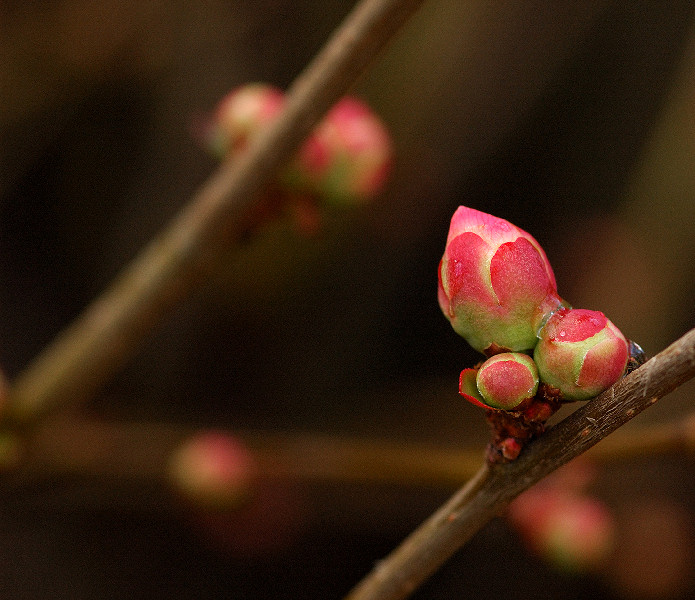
{"x": 86, "y": 354}
{"x": 429, "y": 546}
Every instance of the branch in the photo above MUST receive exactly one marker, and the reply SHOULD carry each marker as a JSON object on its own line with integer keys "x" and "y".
{"x": 491, "y": 490}
{"x": 79, "y": 447}
{"x": 85, "y": 355}
{"x": 86, "y": 448}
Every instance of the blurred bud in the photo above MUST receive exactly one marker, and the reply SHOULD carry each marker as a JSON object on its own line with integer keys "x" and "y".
{"x": 240, "y": 116}
{"x": 573, "y": 532}
{"x": 214, "y": 470}
{"x": 505, "y": 381}
{"x": 581, "y": 353}
{"x": 347, "y": 158}
{"x": 496, "y": 285}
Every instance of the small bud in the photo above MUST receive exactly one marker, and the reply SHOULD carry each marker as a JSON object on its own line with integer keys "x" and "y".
{"x": 214, "y": 470}
{"x": 496, "y": 285}
{"x": 505, "y": 381}
{"x": 581, "y": 353}
{"x": 347, "y": 158}
{"x": 510, "y": 448}
{"x": 240, "y": 116}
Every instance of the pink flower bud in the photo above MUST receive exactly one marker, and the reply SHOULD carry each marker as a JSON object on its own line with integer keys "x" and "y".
{"x": 581, "y": 353}
{"x": 496, "y": 285}
{"x": 347, "y": 158}
{"x": 214, "y": 470}
{"x": 573, "y": 532}
{"x": 505, "y": 381}
{"x": 241, "y": 115}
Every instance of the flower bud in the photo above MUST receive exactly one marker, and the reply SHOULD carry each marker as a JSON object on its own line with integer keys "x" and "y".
{"x": 496, "y": 285}
{"x": 505, "y": 381}
{"x": 574, "y": 532}
{"x": 241, "y": 115}
{"x": 214, "y": 470}
{"x": 581, "y": 353}
{"x": 347, "y": 158}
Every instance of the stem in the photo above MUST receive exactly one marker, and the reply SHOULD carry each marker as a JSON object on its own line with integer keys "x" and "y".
{"x": 429, "y": 546}
{"x": 86, "y": 354}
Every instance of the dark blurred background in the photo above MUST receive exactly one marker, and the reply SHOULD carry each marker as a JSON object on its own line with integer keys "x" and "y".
{"x": 574, "y": 120}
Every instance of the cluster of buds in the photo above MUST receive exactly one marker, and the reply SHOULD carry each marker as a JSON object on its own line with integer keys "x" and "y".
{"x": 345, "y": 161}
{"x": 498, "y": 290}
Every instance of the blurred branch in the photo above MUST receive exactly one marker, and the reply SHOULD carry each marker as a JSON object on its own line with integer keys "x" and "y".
{"x": 105, "y": 335}
{"x": 493, "y": 488}
{"x": 141, "y": 451}
{"x": 87, "y": 449}
{"x": 677, "y": 436}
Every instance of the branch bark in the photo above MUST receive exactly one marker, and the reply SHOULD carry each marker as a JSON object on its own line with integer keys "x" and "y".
{"x": 86, "y": 354}
{"x": 491, "y": 490}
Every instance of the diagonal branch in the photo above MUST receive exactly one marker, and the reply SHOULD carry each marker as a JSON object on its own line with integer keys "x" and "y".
{"x": 106, "y": 334}
{"x": 491, "y": 490}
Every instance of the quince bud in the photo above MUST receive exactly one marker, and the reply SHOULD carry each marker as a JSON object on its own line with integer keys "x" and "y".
{"x": 241, "y": 115}
{"x": 347, "y": 158}
{"x": 214, "y": 470}
{"x": 505, "y": 381}
{"x": 574, "y": 532}
{"x": 496, "y": 285}
{"x": 581, "y": 353}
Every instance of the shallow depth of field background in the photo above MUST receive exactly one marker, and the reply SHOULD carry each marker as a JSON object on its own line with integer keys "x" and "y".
{"x": 575, "y": 121}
